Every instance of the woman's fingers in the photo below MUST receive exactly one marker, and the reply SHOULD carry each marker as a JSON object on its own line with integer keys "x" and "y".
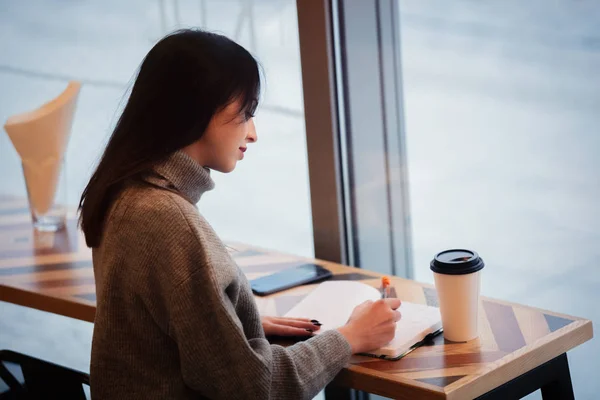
{"x": 393, "y": 303}
{"x": 287, "y": 330}
{"x": 280, "y": 326}
{"x": 303, "y": 323}
{"x": 294, "y": 319}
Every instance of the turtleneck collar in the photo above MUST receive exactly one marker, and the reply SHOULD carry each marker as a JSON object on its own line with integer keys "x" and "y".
{"x": 184, "y": 175}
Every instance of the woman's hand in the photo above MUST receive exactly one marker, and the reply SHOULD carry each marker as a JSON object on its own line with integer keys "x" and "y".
{"x": 371, "y": 325}
{"x": 279, "y": 326}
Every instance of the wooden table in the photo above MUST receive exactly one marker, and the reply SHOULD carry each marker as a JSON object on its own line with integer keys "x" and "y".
{"x": 520, "y": 348}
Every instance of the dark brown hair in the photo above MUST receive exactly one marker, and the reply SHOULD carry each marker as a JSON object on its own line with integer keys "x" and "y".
{"x": 183, "y": 81}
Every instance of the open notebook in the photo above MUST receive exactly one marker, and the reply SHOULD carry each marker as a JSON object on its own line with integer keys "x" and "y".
{"x": 332, "y": 302}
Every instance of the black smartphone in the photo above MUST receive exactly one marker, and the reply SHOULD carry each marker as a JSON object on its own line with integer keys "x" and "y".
{"x": 289, "y": 278}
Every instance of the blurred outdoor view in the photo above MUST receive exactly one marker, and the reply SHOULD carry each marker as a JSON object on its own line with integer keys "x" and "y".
{"x": 502, "y": 101}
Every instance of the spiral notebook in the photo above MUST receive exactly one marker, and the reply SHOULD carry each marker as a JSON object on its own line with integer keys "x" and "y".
{"x": 332, "y": 302}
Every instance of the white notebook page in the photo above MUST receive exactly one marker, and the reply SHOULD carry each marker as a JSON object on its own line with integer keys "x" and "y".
{"x": 332, "y": 302}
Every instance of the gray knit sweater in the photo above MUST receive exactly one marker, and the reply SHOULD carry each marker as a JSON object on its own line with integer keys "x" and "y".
{"x": 176, "y": 318}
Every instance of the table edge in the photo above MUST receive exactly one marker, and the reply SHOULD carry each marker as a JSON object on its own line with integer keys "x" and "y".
{"x": 377, "y": 383}
{"x": 523, "y": 360}
{"x": 67, "y": 306}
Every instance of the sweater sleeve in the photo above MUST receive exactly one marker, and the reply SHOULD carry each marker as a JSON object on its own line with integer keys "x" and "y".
{"x": 217, "y": 359}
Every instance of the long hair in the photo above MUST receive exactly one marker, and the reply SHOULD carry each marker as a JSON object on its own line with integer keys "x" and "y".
{"x": 182, "y": 82}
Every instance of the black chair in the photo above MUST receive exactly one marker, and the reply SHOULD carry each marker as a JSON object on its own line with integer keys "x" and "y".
{"x": 41, "y": 379}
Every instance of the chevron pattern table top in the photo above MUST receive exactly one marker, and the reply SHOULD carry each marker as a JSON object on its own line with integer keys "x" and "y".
{"x": 53, "y": 272}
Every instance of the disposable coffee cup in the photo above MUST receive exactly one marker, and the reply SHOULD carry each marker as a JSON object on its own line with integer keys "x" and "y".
{"x": 457, "y": 275}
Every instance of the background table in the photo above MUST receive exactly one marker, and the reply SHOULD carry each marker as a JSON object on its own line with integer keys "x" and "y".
{"x": 53, "y": 272}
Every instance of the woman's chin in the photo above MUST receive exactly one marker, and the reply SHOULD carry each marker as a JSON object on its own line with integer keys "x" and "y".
{"x": 225, "y": 169}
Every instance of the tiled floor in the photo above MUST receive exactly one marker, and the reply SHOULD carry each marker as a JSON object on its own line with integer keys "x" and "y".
{"x": 502, "y": 122}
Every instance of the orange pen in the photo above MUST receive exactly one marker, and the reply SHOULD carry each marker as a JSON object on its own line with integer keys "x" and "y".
{"x": 385, "y": 284}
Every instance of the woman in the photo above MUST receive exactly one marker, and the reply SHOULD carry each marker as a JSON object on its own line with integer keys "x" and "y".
{"x": 175, "y": 317}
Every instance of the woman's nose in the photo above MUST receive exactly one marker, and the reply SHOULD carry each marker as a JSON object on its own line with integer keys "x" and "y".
{"x": 251, "y": 137}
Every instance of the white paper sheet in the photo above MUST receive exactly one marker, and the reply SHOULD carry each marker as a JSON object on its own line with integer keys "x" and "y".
{"x": 332, "y": 303}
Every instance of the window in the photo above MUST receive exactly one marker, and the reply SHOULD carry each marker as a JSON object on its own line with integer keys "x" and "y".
{"x": 502, "y": 126}
{"x": 501, "y": 102}
{"x": 266, "y": 200}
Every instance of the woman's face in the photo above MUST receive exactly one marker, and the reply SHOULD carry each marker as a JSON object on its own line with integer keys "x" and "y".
{"x": 225, "y": 140}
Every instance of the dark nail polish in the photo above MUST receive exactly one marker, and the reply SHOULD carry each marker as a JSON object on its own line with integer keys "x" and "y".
{"x": 309, "y": 330}
{"x": 314, "y": 321}
{"x": 317, "y": 324}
